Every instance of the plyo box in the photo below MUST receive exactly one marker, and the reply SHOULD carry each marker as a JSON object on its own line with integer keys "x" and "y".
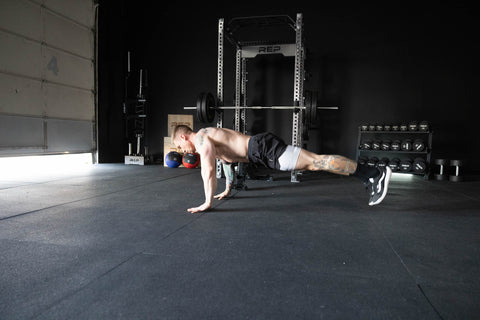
{"x": 178, "y": 119}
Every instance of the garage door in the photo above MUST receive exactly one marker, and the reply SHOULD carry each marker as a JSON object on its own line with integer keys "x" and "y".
{"x": 47, "y": 77}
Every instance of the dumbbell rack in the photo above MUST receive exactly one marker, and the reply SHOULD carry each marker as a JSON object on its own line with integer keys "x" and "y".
{"x": 383, "y": 135}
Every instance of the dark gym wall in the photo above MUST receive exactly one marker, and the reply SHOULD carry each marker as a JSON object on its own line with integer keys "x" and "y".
{"x": 380, "y": 64}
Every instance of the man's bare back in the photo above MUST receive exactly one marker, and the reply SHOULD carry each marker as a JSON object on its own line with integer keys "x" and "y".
{"x": 230, "y": 145}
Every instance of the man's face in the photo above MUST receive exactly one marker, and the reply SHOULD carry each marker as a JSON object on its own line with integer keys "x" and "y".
{"x": 184, "y": 144}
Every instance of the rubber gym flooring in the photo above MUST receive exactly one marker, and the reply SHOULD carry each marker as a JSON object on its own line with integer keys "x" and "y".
{"x": 116, "y": 242}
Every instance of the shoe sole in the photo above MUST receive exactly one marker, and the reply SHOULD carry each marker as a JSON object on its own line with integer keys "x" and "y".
{"x": 388, "y": 174}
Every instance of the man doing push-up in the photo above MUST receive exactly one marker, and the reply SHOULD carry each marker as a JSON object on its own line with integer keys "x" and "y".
{"x": 268, "y": 150}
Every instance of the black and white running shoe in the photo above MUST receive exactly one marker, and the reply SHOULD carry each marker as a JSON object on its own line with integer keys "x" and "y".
{"x": 378, "y": 186}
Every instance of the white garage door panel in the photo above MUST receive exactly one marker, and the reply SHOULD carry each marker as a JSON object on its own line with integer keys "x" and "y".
{"x": 68, "y": 69}
{"x": 75, "y": 136}
{"x": 20, "y": 132}
{"x": 80, "y": 11}
{"x": 61, "y": 33}
{"x": 27, "y": 26}
{"x": 20, "y": 56}
{"x": 69, "y": 103}
{"x": 20, "y": 96}
{"x": 47, "y": 76}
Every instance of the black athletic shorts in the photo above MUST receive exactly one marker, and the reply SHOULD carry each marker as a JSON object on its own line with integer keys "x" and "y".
{"x": 265, "y": 149}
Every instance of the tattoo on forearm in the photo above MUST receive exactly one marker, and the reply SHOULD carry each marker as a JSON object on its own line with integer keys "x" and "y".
{"x": 334, "y": 163}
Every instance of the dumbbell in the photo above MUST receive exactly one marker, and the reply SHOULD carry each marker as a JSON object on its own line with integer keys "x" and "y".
{"x": 376, "y": 144}
{"x": 441, "y": 175}
{"x": 406, "y": 145}
{"x": 394, "y": 164}
{"x": 385, "y": 145}
{"x": 456, "y": 177}
{"x": 364, "y": 127}
{"x": 371, "y": 127}
{"x": 413, "y": 126}
{"x": 419, "y": 165}
{"x": 424, "y": 126}
{"x": 379, "y": 127}
{"x": 372, "y": 162}
{"x": 406, "y": 165}
{"x": 395, "y": 127}
{"x": 403, "y": 127}
{"x": 387, "y": 127}
{"x": 418, "y": 145}
{"x": 382, "y": 163}
{"x": 362, "y": 160}
{"x": 395, "y": 145}
{"x": 366, "y": 145}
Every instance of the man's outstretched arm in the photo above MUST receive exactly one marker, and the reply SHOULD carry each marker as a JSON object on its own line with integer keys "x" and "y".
{"x": 206, "y": 149}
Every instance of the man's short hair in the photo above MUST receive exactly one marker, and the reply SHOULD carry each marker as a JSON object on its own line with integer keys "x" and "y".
{"x": 180, "y": 129}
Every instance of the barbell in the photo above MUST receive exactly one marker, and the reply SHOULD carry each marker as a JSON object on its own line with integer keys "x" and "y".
{"x": 207, "y": 105}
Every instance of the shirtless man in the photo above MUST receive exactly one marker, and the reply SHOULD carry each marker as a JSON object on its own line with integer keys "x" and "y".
{"x": 268, "y": 150}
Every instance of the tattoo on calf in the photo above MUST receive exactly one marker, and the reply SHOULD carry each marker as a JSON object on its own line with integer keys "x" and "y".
{"x": 334, "y": 163}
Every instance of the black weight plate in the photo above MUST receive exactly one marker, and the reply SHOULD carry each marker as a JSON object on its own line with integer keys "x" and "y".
{"x": 199, "y": 109}
{"x": 313, "y": 108}
{"x": 209, "y": 107}
{"x": 308, "y": 106}
{"x": 204, "y": 108}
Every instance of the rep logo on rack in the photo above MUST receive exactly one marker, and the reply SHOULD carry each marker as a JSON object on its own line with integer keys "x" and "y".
{"x": 269, "y": 49}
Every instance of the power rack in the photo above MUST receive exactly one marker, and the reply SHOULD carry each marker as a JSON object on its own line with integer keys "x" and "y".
{"x": 246, "y": 49}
